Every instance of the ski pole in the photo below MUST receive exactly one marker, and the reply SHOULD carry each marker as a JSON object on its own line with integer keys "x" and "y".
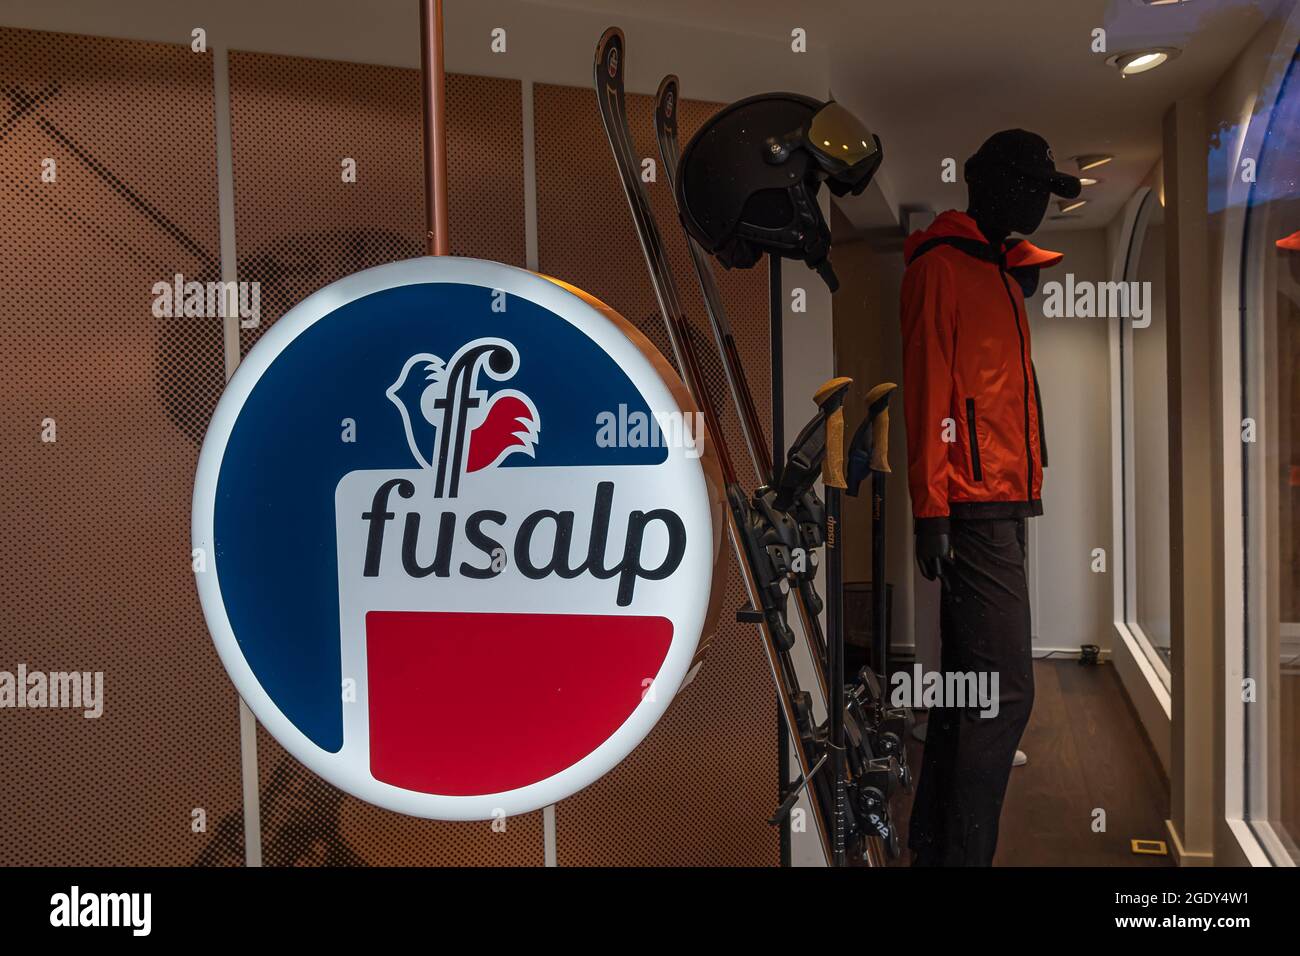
{"x": 878, "y": 416}
{"x": 869, "y": 455}
{"x": 830, "y": 398}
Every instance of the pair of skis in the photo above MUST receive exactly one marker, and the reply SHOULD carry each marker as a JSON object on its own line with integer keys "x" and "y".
{"x": 784, "y": 514}
{"x": 787, "y": 502}
{"x": 863, "y": 735}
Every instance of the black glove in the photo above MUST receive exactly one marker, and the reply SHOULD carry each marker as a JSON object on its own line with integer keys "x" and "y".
{"x": 933, "y": 553}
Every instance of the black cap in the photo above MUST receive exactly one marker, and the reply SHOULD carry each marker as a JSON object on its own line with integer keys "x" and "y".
{"x": 1028, "y": 154}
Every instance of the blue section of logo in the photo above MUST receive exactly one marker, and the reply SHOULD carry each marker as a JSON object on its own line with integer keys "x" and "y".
{"x": 274, "y": 525}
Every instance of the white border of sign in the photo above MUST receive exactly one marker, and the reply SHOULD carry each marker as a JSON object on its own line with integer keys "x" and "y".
{"x": 695, "y": 499}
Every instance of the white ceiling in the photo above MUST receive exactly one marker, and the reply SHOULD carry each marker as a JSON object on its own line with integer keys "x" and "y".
{"x": 935, "y": 77}
{"x": 932, "y": 77}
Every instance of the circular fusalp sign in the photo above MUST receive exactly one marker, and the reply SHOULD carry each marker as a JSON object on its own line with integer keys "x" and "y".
{"x": 455, "y": 528}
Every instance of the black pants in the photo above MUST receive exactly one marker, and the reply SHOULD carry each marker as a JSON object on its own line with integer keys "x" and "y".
{"x": 984, "y": 627}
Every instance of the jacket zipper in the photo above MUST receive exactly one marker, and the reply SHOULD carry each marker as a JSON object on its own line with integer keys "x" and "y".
{"x": 976, "y": 471}
{"x": 1042, "y": 430}
{"x": 1024, "y": 362}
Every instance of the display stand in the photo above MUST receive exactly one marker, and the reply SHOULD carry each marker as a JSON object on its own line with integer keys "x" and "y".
{"x": 434, "y": 89}
{"x": 775, "y": 322}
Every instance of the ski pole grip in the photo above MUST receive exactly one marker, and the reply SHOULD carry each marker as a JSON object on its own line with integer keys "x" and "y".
{"x": 878, "y": 414}
{"x": 833, "y": 464}
{"x": 830, "y": 399}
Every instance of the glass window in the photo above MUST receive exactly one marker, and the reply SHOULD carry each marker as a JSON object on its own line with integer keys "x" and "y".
{"x": 1144, "y": 601}
{"x": 1270, "y": 396}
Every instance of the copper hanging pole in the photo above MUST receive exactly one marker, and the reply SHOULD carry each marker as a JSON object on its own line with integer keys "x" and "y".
{"x": 432, "y": 73}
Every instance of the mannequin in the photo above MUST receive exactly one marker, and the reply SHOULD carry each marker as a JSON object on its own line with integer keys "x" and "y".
{"x": 1001, "y": 201}
{"x": 976, "y": 452}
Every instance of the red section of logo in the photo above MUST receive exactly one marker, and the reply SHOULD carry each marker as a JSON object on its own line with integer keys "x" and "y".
{"x": 508, "y": 425}
{"x": 465, "y": 704}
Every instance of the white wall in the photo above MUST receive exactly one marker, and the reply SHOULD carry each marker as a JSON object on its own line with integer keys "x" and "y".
{"x": 1072, "y": 604}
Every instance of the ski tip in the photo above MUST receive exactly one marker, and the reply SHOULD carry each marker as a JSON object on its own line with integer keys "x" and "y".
{"x": 609, "y": 55}
{"x": 666, "y": 104}
{"x": 666, "y": 98}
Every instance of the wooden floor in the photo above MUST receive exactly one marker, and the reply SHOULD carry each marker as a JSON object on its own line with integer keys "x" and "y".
{"x": 1086, "y": 751}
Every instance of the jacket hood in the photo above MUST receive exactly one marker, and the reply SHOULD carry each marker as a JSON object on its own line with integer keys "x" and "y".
{"x": 1020, "y": 252}
{"x": 950, "y": 223}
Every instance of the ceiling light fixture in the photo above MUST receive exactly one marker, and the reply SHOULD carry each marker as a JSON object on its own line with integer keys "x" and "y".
{"x": 1133, "y": 62}
{"x": 1088, "y": 181}
{"x": 1092, "y": 161}
{"x": 1069, "y": 206}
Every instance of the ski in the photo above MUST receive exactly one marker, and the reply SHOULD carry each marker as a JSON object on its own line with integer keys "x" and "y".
{"x": 763, "y": 560}
{"x": 792, "y": 492}
{"x": 807, "y": 510}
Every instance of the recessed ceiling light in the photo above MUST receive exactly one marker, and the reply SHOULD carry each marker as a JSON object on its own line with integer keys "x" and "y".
{"x": 1088, "y": 181}
{"x": 1071, "y": 205}
{"x": 1092, "y": 161}
{"x": 1141, "y": 62}
{"x": 1133, "y": 62}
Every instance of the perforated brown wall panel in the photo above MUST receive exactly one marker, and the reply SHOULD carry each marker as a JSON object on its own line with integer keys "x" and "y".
{"x": 95, "y": 565}
{"x": 700, "y": 788}
{"x": 299, "y": 226}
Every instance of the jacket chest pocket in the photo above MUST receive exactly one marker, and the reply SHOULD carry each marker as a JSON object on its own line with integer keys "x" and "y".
{"x": 977, "y": 472}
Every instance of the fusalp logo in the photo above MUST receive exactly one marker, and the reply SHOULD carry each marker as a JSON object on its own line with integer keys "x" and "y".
{"x": 453, "y": 424}
{"x": 423, "y": 573}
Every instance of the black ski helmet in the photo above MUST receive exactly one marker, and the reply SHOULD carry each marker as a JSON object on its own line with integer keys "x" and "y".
{"x": 747, "y": 181}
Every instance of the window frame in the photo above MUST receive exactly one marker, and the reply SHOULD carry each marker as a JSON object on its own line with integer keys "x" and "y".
{"x": 1144, "y": 672}
{"x": 1247, "y": 781}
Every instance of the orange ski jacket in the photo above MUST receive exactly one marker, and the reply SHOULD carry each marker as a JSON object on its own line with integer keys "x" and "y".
{"x": 976, "y": 446}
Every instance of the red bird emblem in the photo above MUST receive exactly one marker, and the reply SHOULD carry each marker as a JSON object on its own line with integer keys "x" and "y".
{"x": 509, "y": 425}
